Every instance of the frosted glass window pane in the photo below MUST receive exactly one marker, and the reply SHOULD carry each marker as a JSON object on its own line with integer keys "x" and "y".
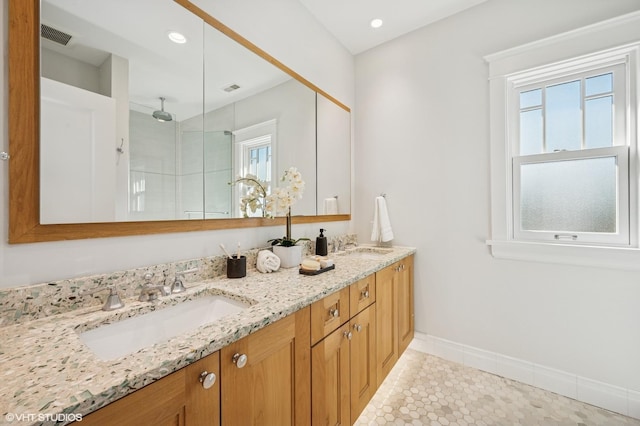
{"x": 531, "y": 132}
{"x": 563, "y": 117}
{"x": 531, "y": 98}
{"x": 569, "y": 196}
{"x": 598, "y": 126}
{"x": 599, "y": 84}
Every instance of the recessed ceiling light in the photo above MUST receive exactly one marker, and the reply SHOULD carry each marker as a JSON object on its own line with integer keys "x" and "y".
{"x": 376, "y": 23}
{"x": 176, "y": 37}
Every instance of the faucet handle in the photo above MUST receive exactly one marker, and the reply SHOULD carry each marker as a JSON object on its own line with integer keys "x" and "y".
{"x": 186, "y": 271}
{"x": 178, "y": 285}
{"x": 113, "y": 300}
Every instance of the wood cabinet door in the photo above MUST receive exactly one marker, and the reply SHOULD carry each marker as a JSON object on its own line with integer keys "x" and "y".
{"x": 330, "y": 379}
{"x": 386, "y": 320}
{"x": 203, "y": 405}
{"x": 273, "y": 386}
{"x": 363, "y": 360}
{"x": 406, "y": 312}
{"x": 162, "y": 403}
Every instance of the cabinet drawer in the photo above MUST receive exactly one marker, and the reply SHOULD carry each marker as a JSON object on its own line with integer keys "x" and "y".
{"x": 328, "y": 314}
{"x": 363, "y": 294}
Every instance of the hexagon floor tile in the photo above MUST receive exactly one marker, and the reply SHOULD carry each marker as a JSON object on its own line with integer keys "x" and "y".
{"x": 426, "y": 390}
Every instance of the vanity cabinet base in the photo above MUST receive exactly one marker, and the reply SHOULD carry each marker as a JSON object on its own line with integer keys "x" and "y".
{"x": 178, "y": 399}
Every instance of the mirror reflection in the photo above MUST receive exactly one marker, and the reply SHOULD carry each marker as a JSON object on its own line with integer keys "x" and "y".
{"x": 137, "y": 127}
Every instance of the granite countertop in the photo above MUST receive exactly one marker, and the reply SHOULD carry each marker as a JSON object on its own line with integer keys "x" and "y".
{"x": 48, "y": 371}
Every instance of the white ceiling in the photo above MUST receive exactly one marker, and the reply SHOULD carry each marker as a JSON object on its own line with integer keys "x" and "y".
{"x": 158, "y": 67}
{"x": 348, "y": 20}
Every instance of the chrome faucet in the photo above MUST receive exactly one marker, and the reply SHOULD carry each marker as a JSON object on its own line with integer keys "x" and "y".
{"x": 150, "y": 291}
{"x": 113, "y": 300}
{"x": 178, "y": 285}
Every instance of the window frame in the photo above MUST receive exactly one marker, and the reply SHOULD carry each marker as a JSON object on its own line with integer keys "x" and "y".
{"x": 600, "y": 43}
{"x": 553, "y": 75}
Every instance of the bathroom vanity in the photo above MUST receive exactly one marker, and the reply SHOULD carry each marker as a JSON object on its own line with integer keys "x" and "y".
{"x": 305, "y": 350}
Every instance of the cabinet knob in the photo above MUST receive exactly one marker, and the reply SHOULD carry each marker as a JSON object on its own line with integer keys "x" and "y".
{"x": 207, "y": 379}
{"x": 240, "y": 360}
{"x": 357, "y": 327}
{"x": 348, "y": 335}
{"x": 334, "y": 312}
{"x": 365, "y": 294}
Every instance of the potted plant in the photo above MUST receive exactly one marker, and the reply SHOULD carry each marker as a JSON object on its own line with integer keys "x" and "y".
{"x": 280, "y": 201}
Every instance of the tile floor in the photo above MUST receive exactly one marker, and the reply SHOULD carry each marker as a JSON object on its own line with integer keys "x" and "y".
{"x": 426, "y": 390}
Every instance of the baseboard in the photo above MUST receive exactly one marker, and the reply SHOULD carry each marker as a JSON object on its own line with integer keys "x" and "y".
{"x": 604, "y": 395}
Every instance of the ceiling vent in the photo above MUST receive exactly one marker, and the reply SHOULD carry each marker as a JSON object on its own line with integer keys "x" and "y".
{"x": 54, "y": 35}
{"x": 231, "y": 88}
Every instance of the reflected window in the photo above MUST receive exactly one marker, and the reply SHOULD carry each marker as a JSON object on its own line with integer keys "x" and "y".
{"x": 255, "y": 149}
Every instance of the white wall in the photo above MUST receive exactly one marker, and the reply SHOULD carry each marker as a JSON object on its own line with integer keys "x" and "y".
{"x": 297, "y": 40}
{"x": 422, "y": 137}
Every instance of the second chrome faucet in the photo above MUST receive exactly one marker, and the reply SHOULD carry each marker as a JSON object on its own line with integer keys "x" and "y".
{"x": 150, "y": 291}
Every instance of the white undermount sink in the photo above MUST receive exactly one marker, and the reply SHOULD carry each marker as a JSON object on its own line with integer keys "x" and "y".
{"x": 125, "y": 337}
{"x": 364, "y": 252}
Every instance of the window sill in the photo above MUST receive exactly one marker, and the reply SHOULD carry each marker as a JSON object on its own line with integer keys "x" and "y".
{"x": 581, "y": 255}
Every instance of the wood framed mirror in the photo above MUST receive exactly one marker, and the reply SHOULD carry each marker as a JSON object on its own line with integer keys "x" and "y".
{"x": 24, "y": 143}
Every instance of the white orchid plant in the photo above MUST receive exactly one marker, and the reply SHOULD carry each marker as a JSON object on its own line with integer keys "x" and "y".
{"x": 255, "y": 196}
{"x": 279, "y": 201}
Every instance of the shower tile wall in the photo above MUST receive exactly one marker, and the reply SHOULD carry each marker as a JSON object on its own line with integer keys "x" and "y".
{"x": 218, "y": 174}
{"x": 166, "y": 178}
{"x": 152, "y": 179}
{"x": 191, "y": 181}
{"x": 216, "y": 153}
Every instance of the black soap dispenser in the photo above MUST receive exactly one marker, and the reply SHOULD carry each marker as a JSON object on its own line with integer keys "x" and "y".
{"x": 321, "y": 244}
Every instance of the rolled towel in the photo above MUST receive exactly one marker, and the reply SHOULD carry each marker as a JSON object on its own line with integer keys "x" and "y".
{"x": 267, "y": 261}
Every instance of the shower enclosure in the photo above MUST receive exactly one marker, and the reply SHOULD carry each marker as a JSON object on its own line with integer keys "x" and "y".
{"x": 175, "y": 174}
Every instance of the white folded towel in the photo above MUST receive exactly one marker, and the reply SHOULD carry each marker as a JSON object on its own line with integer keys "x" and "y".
{"x": 381, "y": 231}
{"x": 267, "y": 261}
{"x": 331, "y": 205}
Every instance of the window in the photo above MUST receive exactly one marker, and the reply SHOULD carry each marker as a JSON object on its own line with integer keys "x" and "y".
{"x": 256, "y": 155}
{"x": 570, "y": 157}
{"x": 254, "y": 149}
{"x": 564, "y": 147}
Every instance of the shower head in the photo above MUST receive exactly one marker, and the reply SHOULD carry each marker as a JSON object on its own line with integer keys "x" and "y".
{"x": 162, "y": 115}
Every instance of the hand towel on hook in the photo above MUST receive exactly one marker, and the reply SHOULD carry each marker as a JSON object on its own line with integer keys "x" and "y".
{"x": 381, "y": 224}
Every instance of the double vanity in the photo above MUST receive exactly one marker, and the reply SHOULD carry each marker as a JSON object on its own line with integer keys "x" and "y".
{"x": 278, "y": 348}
